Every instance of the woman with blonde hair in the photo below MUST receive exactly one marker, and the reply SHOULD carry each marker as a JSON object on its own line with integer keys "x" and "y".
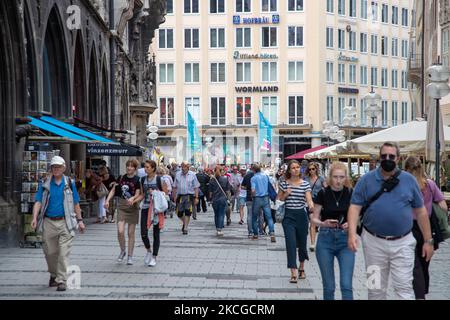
{"x": 431, "y": 193}
{"x": 330, "y": 214}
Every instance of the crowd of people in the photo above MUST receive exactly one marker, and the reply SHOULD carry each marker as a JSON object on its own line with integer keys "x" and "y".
{"x": 395, "y": 208}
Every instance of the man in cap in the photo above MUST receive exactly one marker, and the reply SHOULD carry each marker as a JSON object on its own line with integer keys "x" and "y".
{"x": 56, "y": 201}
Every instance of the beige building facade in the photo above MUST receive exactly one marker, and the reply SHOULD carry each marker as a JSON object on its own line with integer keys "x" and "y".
{"x": 298, "y": 62}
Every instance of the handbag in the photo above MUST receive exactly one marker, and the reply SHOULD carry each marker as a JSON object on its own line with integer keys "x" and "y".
{"x": 442, "y": 221}
{"x": 102, "y": 191}
{"x": 280, "y": 211}
{"x": 271, "y": 191}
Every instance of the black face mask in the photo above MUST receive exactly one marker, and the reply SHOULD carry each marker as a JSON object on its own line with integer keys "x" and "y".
{"x": 388, "y": 165}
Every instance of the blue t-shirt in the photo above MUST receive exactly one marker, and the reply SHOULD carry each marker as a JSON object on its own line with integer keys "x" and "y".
{"x": 260, "y": 183}
{"x": 55, "y": 206}
{"x": 392, "y": 213}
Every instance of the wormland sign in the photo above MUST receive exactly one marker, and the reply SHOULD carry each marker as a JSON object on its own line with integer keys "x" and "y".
{"x": 257, "y": 89}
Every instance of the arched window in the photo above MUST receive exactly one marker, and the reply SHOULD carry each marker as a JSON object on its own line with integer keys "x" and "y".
{"x": 93, "y": 85}
{"x": 104, "y": 116}
{"x": 79, "y": 80}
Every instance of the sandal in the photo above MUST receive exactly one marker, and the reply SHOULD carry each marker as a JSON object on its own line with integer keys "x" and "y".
{"x": 293, "y": 279}
{"x": 301, "y": 274}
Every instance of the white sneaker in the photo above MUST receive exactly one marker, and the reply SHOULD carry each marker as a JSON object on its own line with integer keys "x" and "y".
{"x": 121, "y": 256}
{"x": 130, "y": 260}
{"x": 152, "y": 262}
{"x": 148, "y": 257}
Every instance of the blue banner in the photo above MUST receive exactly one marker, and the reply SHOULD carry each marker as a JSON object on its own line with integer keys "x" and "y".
{"x": 194, "y": 139}
{"x": 265, "y": 133}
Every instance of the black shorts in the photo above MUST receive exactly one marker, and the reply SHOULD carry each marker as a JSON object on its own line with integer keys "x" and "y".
{"x": 185, "y": 205}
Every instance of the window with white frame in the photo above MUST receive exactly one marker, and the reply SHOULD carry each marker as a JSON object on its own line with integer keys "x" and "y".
{"x": 404, "y": 80}
{"x": 373, "y": 44}
{"x": 394, "y": 47}
{"x": 295, "y": 36}
{"x": 394, "y": 113}
{"x": 329, "y": 38}
{"x": 394, "y": 15}
{"x": 404, "y": 48}
{"x": 269, "y": 71}
{"x": 341, "y": 39}
{"x": 243, "y": 72}
{"x": 404, "y": 112}
{"x": 169, "y": 6}
{"x": 270, "y": 109}
{"x": 216, "y": 6}
{"x": 295, "y": 5}
{"x": 374, "y": 76}
{"x": 166, "y": 73}
{"x": 352, "y": 74}
{"x": 363, "y": 42}
{"x": 363, "y": 115}
{"x": 404, "y": 17}
{"x": 394, "y": 79}
{"x": 296, "y": 112}
{"x": 330, "y": 108}
{"x": 192, "y": 105}
{"x": 352, "y": 8}
{"x": 352, "y": 40}
{"x": 444, "y": 46}
{"x": 363, "y": 75}
{"x": 244, "y": 110}
{"x": 330, "y": 71}
{"x": 295, "y": 70}
{"x": 165, "y": 38}
{"x": 384, "y": 77}
{"x": 243, "y": 6}
{"x": 384, "y": 13}
{"x": 363, "y": 9}
{"x": 218, "y": 72}
{"x": 341, "y": 105}
{"x": 269, "y": 5}
{"x": 269, "y": 37}
{"x": 191, "y": 72}
{"x": 374, "y": 10}
{"x": 341, "y": 7}
{"x": 166, "y": 112}
{"x": 384, "y": 45}
{"x": 384, "y": 113}
{"x": 341, "y": 73}
{"x": 218, "y": 111}
{"x": 217, "y": 37}
{"x": 330, "y": 6}
{"x": 191, "y": 6}
{"x": 352, "y": 102}
{"x": 191, "y": 38}
{"x": 243, "y": 37}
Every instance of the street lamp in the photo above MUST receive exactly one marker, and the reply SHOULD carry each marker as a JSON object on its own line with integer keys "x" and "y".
{"x": 349, "y": 119}
{"x": 437, "y": 89}
{"x": 153, "y": 136}
{"x": 332, "y": 131}
{"x": 373, "y": 107}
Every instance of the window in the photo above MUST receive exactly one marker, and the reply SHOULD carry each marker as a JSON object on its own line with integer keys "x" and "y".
{"x": 384, "y": 45}
{"x": 352, "y": 40}
{"x": 444, "y": 47}
{"x": 330, "y": 108}
{"x": 191, "y": 38}
{"x": 404, "y": 112}
{"x": 295, "y": 70}
{"x": 384, "y": 113}
{"x": 218, "y": 72}
{"x": 269, "y": 5}
{"x": 169, "y": 6}
{"x": 363, "y": 75}
{"x": 384, "y": 77}
{"x": 394, "y": 113}
{"x": 270, "y": 109}
{"x": 243, "y": 38}
{"x": 341, "y": 7}
{"x": 166, "y": 73}
{"x": 166, "y": 38}
{"x": 363, "y": 14}
{"x": 404, "y": 17}
{"x": 394, "y": 15}
{"x": 243, "y": 5}
{"x": 244, "y": 110}
{"x": 352, "y": 8}
{"x": 218, "y": 111}
{"x": 374, "y": 76}
{"x": 269, "y": 71}
{"x": 216, "y": 6}
{"x": 352, "y": 74}
{"x": 394, "y": 80}
{"x": 374, "y": 44}
{"x": 243, "y": 72}
{"x": 296, "y": 112}
{"x": 413, "y": 111}
{"x": 404, "y": 48}
{"x": 341, "y": 73}
{"x": 394, "y": 47}
{"x": 295, "y": 36}
{"x": 374, "y": 11}
{"x": 341, "y": 39}
{"x": 269, "y": 37}
{"x": 404, "y": 80}
{"x": 330, "y": 41}
{"x": 330, "y": 6}
{"x": 341, "y": 105}
{"x": 330, "y": 72}
{"x": 217, "y": 37}
{"x": 295, "y": 5}
{"x": 191, "y": 72}
{"x": 192, "y": 105}
{"x": 363, "y": 42}
{"x": 191, "y": 6}
{"x": 166, "y": 112}
{"x": 384, "y": 13}
{"x": 363, "y": 114}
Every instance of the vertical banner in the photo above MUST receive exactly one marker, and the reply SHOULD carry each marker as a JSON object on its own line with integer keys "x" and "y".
{"x": 265, "y": 133}
{"x": 194, "y": 141}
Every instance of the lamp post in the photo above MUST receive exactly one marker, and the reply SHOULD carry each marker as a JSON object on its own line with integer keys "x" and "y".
{"x": 349, "y": 119}
{"x": 373, "y": 107}
{"x": 437, "y": 89}
{"x": 153, "y": 136}
{"x": 332, "y": 131}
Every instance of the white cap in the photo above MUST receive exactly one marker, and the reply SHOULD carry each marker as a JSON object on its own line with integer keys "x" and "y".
{"x": 243, "y": 168}
{"x": 57, "y": 160}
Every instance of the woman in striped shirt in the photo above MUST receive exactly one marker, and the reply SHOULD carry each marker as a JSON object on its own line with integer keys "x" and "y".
{"x": 296, "y": 193}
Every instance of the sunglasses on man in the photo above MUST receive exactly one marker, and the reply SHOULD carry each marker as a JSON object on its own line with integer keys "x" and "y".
{"x": 388, "y": 156}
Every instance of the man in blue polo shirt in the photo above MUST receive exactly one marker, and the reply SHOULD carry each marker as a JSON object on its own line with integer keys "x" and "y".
{"x": 53, "y": 215}
{"x": 387, "y": 239}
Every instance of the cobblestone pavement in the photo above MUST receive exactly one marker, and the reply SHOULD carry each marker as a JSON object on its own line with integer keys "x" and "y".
{"x": 196, "y": 266}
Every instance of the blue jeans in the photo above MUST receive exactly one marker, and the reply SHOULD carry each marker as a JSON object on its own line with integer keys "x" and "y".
{"x": 258, "y": 204}
{"x": 249, "y": 217}
{"x": 332, "y": 242}
{"x": 219, "y": 207}
{"x": 295, "y": 226}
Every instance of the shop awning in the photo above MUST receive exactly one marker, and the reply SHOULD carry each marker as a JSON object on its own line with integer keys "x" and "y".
{"x": 123, "y": 149}
{"x": 66, "y": 135}
{"x": 301, "y": 154}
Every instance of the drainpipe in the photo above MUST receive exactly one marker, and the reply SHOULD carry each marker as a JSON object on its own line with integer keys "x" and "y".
{"x": 112, "y": 83}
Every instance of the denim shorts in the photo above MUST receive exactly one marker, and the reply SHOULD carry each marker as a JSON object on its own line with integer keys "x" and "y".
{"x": 242, "y": 201}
